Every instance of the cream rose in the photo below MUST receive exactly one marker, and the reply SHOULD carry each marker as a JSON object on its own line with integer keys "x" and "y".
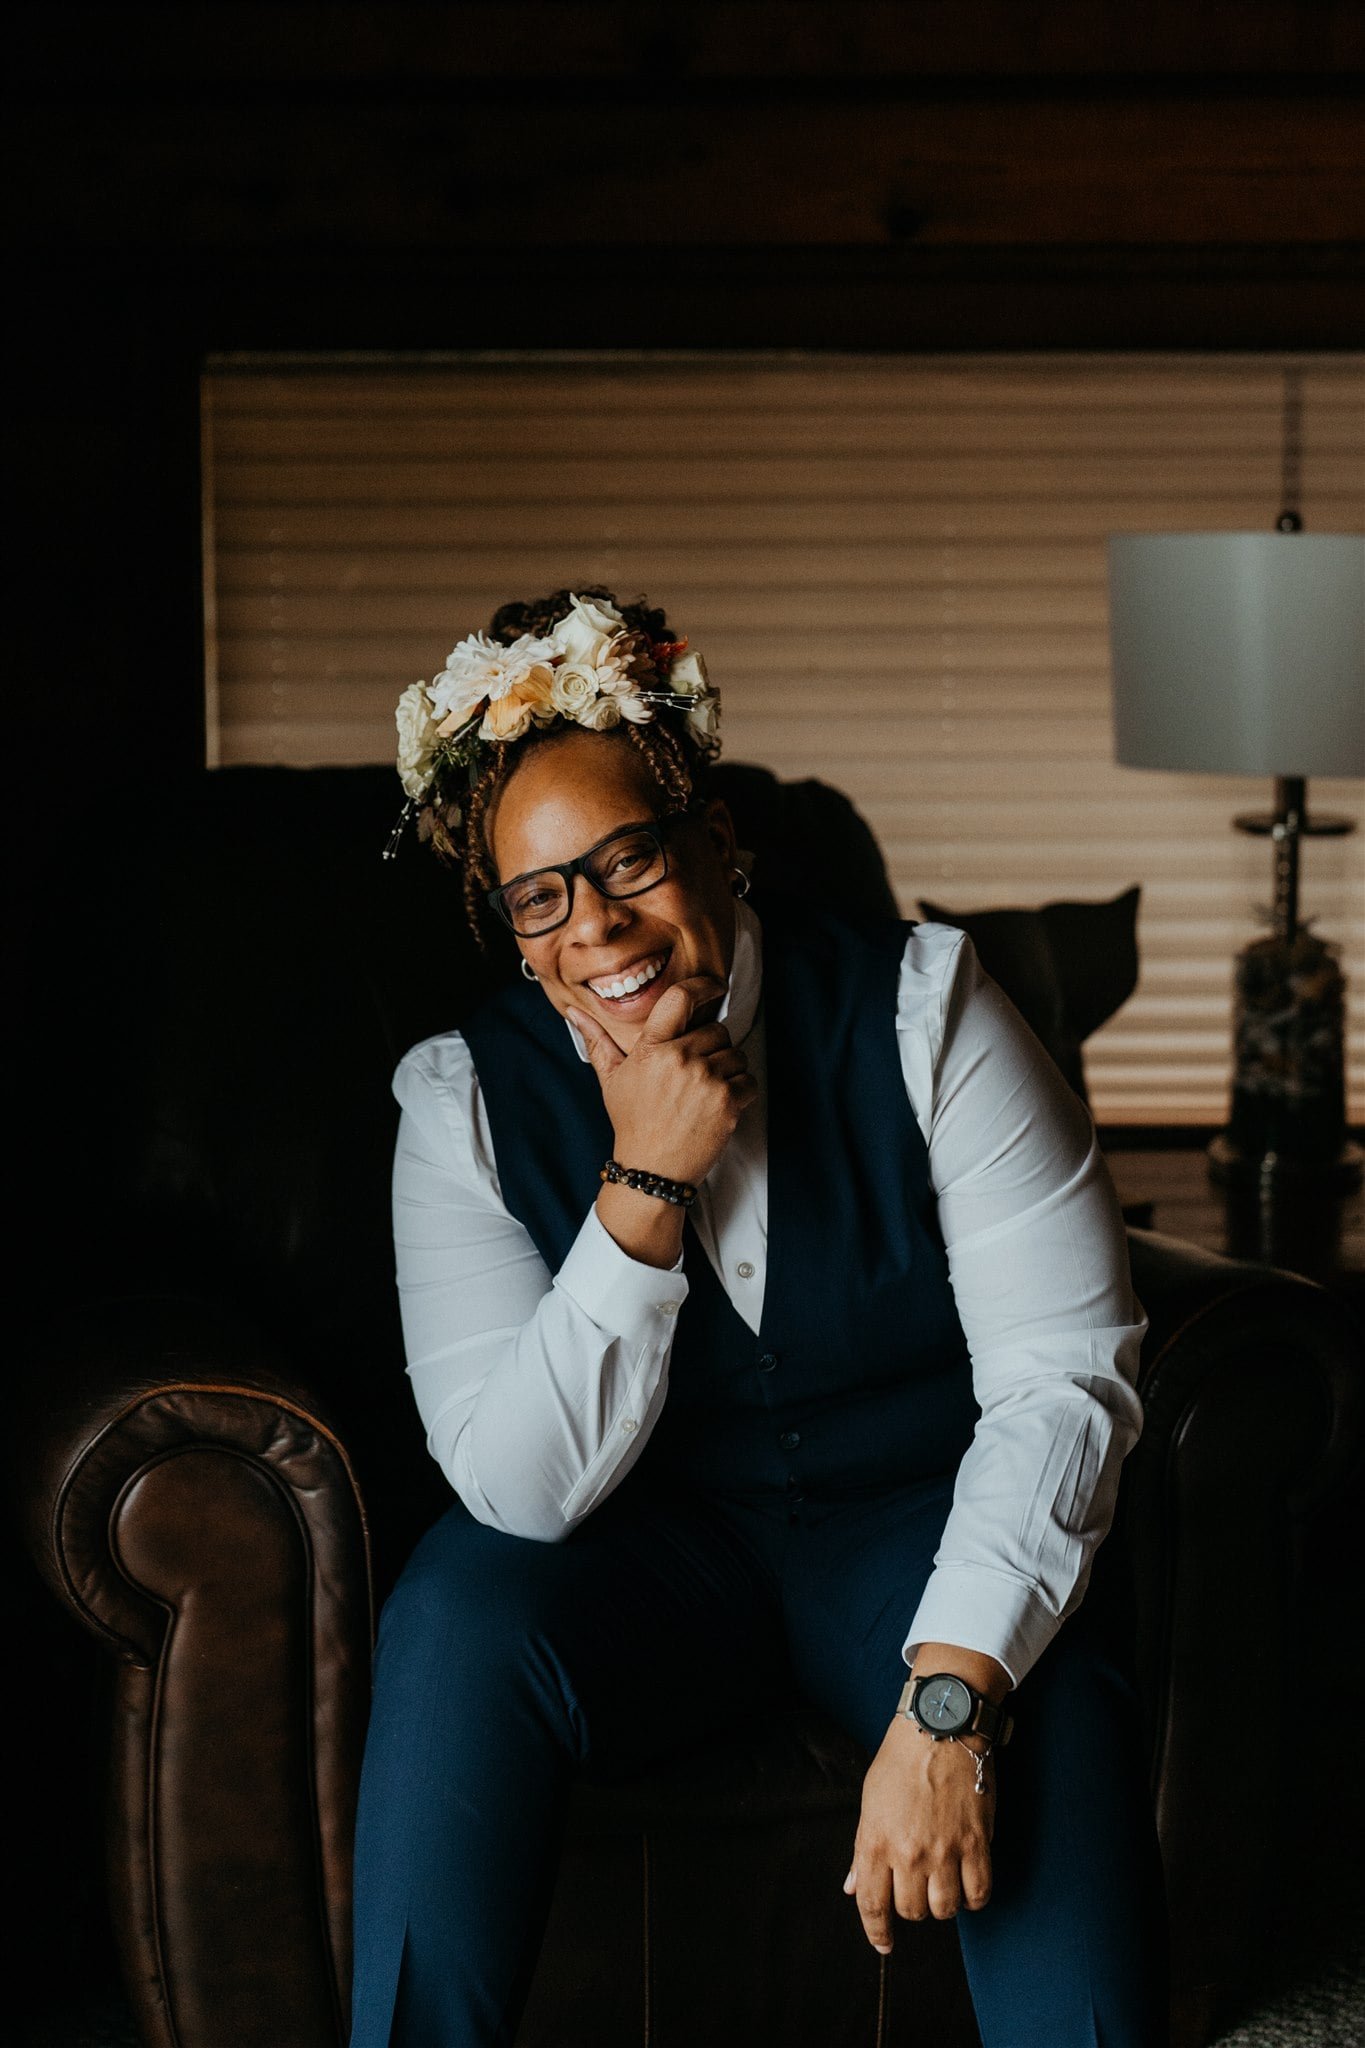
{"x": 583, "y": 635}
{"x": 704, "y": 717}
{"x": 602, "y": 713}
{"x": 573, "y": 688}
{"x": 688, "y": 674}
{"x": 416, "y": 739}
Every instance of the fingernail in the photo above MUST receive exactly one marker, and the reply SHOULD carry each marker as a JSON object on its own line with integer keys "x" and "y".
{"x": 574, "y": 1016}
{"x": 880, "y": 1950}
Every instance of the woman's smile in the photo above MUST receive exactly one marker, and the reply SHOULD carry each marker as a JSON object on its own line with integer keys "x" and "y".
{"x": 632, "y": 989}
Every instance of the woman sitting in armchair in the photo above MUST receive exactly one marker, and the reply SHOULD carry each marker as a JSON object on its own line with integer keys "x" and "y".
{"x": 854, "y": 1434}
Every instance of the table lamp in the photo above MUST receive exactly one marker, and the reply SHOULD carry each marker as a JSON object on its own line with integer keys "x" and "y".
{"x": 1244, "y": 654}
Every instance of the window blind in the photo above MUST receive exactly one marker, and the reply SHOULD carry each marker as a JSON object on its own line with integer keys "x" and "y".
{"x": 895, "y": 567}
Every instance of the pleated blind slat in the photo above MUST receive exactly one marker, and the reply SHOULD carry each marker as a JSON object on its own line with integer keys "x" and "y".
{"x": 895, "y": 568}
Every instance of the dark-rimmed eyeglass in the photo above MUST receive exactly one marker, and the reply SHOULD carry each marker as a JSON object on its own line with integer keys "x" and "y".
{"x": 628, "y": 861}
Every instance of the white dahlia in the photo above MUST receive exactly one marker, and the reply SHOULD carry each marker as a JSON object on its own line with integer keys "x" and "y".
{"x": 479, "y": 668}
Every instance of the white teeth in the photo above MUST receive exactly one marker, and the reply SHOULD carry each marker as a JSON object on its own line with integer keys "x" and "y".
{"x": 629, "y": 983}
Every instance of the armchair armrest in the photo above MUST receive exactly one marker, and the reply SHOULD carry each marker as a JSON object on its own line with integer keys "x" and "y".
{"x": 1254, "y": 1416}
{"x": 199, "y": 1515}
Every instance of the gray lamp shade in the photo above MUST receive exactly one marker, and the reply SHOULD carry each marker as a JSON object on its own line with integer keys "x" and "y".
{"x": 1239, "y": 653}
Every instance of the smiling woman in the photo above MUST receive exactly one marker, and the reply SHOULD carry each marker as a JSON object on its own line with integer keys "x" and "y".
{"x": 575, "y": 662}
{"x": 646, "y": 937}
{"x": 763, "y": 1291}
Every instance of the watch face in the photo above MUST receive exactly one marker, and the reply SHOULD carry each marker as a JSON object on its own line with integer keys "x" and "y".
{"x": 944, "y": 1705}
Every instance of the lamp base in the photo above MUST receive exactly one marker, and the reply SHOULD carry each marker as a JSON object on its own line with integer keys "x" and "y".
{"x": 1287, "y": 1128}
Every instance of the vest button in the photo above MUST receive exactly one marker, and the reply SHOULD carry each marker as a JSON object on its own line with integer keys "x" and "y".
{"x": 767, "y": 1361}
{"x": 789, "y": 1439}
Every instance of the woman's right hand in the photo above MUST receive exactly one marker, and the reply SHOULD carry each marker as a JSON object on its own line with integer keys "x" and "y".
{"x": 675, "y": 1098}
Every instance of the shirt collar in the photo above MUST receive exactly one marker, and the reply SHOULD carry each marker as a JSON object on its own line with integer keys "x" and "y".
{"x": 739, "y": 1005}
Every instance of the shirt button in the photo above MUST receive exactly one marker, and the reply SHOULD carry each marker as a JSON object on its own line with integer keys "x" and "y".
{"x": 669, "y": 1308}
{"x": 745, "y": 1270}
{"x": 789, "y": 1439}
{"x": 629, "y": 1424}
{"x": 767, "y": 1361}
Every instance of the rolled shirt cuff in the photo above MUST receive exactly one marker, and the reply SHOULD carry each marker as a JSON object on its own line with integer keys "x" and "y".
{"x": 986, "y": 1610}
{"x": 624, "y": 1296}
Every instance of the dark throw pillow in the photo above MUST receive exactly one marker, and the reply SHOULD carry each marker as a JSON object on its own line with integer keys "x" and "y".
{"x": 1066, "y": 967}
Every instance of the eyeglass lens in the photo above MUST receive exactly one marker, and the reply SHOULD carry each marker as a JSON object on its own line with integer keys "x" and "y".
{"x": 630, "y": 862}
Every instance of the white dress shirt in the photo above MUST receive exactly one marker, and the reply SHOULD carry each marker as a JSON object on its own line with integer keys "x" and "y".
{"x": 538, "y": 1390}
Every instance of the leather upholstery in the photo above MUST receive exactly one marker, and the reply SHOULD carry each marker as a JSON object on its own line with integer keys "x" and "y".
{"x": 219, "y": 1469}
{"x": 198, "y": 1513}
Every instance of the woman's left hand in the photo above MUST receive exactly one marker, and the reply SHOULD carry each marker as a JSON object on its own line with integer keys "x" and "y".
{"x": 923, "y": 1840}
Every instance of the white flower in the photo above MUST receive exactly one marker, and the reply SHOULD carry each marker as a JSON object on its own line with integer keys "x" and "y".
{"x": 464, "y": 680}
{"x": 416, "y": 739}
{"x": 600, "y": 714}
{"x": 634, "y": 707}
{"x": 688, "y": 674}
{"x": 584, "y": 634}
{"x": 573, "y": 687}
{"x": 479, "y": 667}
{"x": 704, "y": 716}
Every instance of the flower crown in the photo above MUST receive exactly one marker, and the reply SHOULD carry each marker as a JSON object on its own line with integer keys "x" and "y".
{"x": 591, "y": 669}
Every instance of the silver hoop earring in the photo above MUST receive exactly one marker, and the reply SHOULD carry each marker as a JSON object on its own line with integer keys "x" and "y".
{"x": 743, "y": 886}
{"x": 528, "y": 970}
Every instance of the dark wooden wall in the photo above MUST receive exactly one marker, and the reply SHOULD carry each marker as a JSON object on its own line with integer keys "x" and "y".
{"x": 978, "y": 175}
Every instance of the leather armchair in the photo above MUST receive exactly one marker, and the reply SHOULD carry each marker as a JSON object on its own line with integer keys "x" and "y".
{"x": 219, "y": 1470}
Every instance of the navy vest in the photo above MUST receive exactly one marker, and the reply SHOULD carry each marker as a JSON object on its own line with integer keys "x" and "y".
{"x": 859, "y": 1377}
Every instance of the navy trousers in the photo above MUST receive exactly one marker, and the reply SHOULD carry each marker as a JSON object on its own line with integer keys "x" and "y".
{"x": 504, "y": 1666}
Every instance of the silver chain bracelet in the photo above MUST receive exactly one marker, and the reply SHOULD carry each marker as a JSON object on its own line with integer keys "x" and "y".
{"x": 978, "y": 1756}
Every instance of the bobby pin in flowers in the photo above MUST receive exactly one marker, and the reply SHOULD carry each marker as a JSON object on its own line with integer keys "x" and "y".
{"x": 591, "y": 669}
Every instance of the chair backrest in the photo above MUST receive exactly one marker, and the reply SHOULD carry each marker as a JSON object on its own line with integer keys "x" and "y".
{"x": 225, "y": 978}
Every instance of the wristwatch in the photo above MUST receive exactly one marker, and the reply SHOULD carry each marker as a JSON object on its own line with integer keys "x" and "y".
{"x": 944, "y": 1704}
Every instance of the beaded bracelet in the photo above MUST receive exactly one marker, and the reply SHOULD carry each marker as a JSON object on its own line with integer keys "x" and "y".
{"x": 679, "y": 1192}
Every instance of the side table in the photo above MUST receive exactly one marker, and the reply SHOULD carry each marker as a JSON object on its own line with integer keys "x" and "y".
{"x": 1167, "y": 1187}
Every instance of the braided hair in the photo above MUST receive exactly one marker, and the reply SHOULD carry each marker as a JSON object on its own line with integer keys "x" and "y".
{"x": 674, "y": 760}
